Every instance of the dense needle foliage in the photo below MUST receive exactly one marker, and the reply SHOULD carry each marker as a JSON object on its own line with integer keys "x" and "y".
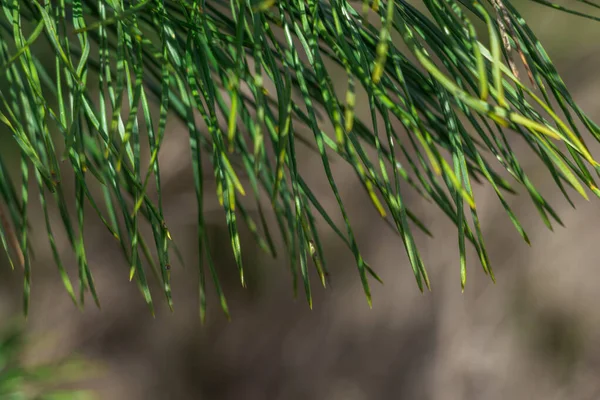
{"x": 88, "y": 84}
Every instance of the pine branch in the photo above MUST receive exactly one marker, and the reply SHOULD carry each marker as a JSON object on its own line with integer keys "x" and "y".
{"x": 81, "y": 78}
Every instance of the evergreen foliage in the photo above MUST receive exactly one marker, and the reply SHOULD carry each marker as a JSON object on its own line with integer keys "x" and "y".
{"x": 81, "y": 79}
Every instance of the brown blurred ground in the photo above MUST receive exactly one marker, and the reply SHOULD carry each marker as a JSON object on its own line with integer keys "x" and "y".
{"x": 534, "y": 334}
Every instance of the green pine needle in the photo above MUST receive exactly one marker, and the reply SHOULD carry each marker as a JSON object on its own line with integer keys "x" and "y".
{"x": 244, "y": 76}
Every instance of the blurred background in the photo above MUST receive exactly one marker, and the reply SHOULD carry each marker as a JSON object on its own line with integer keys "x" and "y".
{"x": 533, "y": 334}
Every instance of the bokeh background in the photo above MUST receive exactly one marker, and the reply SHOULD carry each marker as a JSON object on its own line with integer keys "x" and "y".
{"x": 533, "y": 334}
